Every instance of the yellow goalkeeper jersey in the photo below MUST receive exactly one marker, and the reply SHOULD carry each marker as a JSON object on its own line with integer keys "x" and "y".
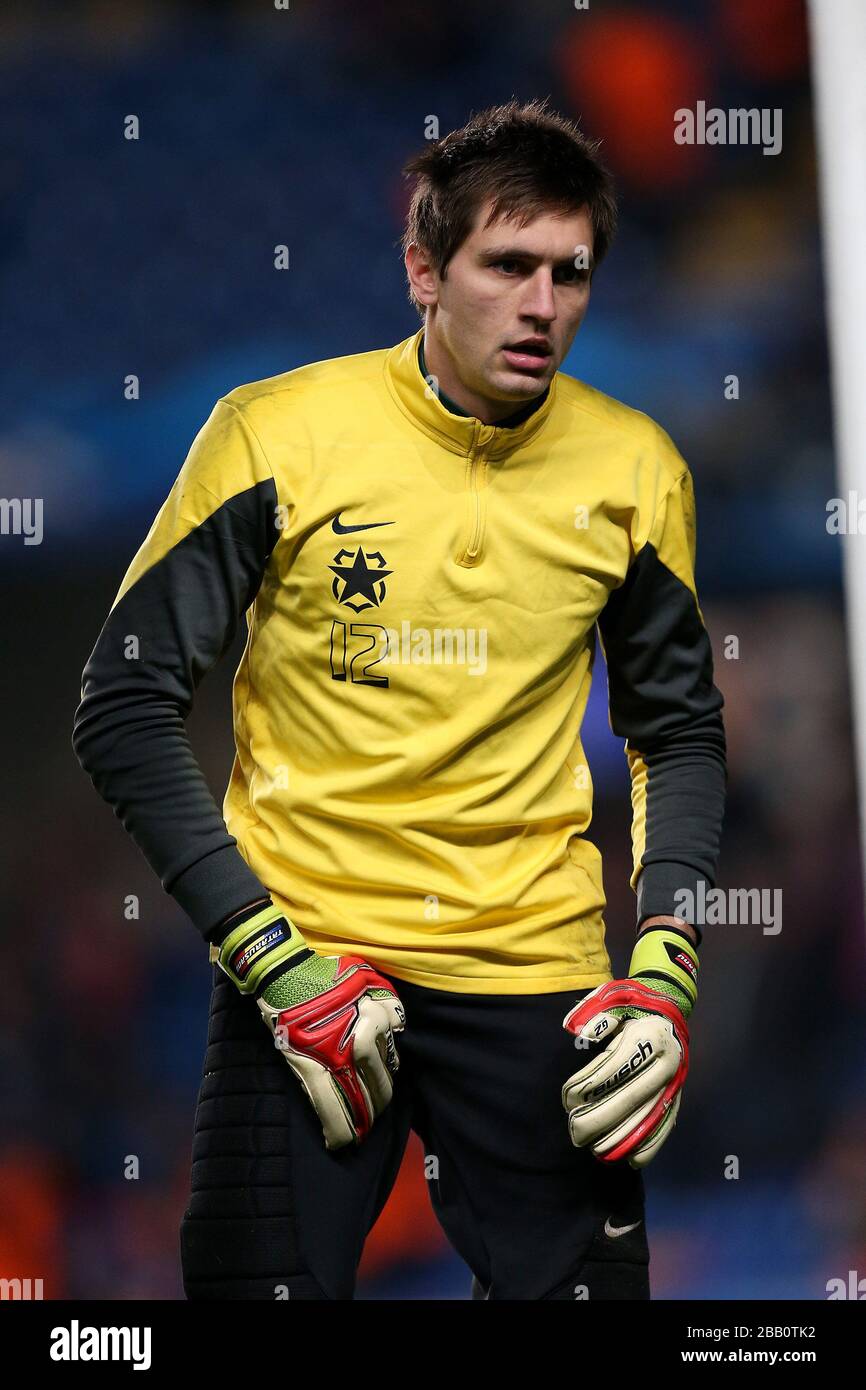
{"x": 422, "y": 593}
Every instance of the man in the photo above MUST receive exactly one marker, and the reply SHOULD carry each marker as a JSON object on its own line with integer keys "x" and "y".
{"x": 423, "y": 539}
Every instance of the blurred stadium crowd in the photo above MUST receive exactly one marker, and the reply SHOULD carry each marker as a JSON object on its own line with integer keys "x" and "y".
{"x": 154, "y": 257}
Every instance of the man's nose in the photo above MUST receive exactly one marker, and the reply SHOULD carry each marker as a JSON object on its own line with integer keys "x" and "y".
{"x": 539, "y": 302}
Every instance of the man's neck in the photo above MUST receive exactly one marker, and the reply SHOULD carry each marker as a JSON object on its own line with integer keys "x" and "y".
{"x": 506, "y": 421}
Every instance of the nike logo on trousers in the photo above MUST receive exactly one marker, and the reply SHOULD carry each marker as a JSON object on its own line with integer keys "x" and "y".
{"x": 614, "y": 1231}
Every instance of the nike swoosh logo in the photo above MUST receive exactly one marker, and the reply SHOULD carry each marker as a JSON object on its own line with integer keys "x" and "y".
{"x": 614, "y": 1231}
{"x": 365, "y": 526}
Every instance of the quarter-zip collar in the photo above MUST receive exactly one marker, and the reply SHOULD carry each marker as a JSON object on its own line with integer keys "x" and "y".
{"x": 459, "y": 433}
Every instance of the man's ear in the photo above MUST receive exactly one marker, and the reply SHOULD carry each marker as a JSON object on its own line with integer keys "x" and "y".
{"x": 422, "y": 274}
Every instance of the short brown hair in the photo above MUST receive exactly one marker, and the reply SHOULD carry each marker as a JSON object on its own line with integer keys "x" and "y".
{"x": 526, "y": 158}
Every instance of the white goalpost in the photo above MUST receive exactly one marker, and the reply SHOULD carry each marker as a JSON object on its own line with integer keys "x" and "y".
{"x": 838, "y": 43}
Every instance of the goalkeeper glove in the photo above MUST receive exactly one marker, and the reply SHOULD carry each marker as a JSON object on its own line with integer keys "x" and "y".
{"x": 333, "y": 1017}
{"x": 624, "y": 1102}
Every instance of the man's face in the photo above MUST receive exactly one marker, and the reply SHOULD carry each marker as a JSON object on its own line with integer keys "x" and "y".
{"x": 508, "y": 284}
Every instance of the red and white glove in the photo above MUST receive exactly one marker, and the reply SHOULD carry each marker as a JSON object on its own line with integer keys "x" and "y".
{"x": 339, "y": 1040}
{"x": 624, "y": 1102}
{"x": 333, "y": 1018}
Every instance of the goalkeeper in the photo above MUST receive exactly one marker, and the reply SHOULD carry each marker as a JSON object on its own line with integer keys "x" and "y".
{"x": 403, "y": 909}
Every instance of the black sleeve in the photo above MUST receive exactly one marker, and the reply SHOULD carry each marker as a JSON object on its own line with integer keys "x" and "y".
{"x": 176, "y": 613}
{"x": 662, "y": 700}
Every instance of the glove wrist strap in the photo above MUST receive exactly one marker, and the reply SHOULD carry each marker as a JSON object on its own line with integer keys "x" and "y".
{"x": 260, "y": 946}
{"x": 665, "y": 954}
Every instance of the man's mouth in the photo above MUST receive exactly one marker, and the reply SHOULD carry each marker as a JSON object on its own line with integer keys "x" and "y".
{"x": 528, "y": 354}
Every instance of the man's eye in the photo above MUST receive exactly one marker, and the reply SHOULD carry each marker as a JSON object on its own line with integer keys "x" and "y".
{"x": 568, "y": 274}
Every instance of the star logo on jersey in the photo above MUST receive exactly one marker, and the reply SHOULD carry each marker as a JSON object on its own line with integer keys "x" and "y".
{"x": 361, "y": 578}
